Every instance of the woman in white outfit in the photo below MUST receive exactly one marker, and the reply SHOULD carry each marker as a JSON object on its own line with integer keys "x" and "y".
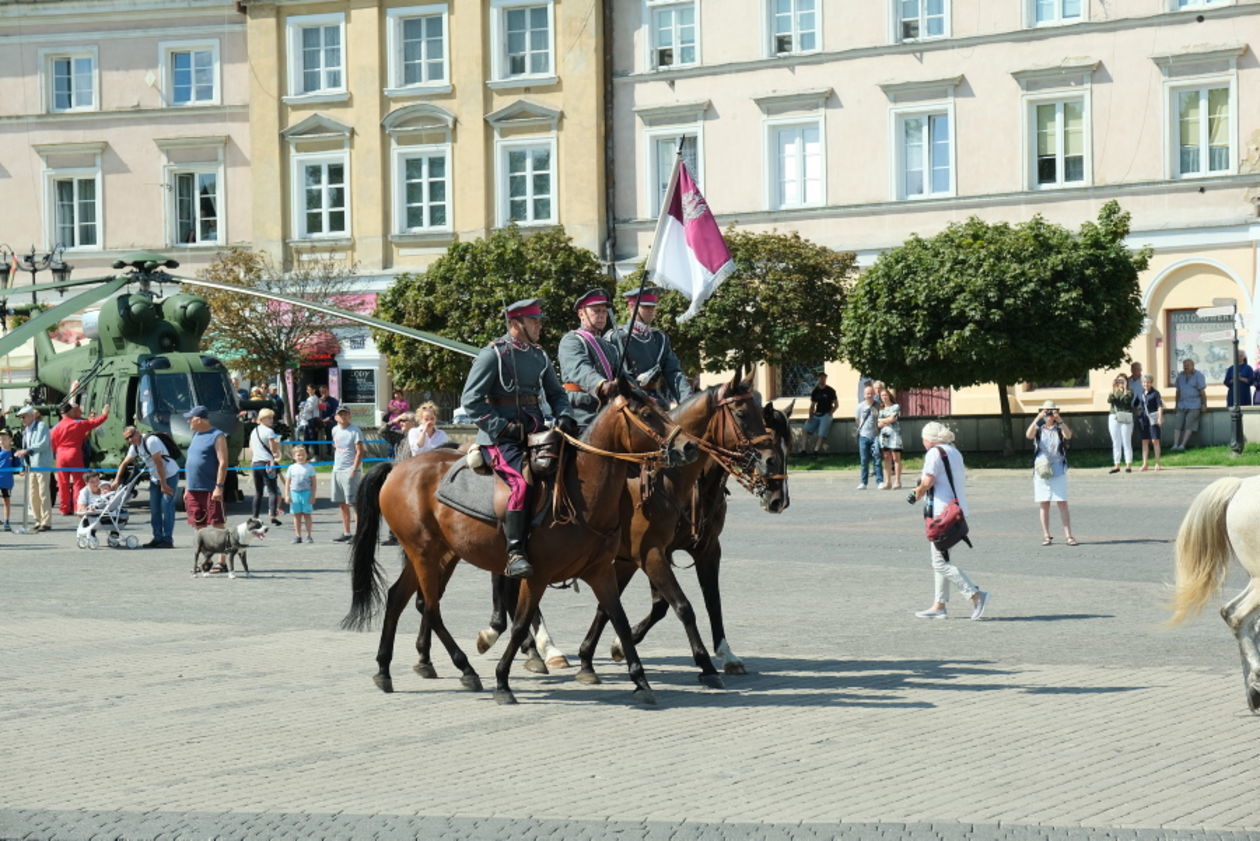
{"x": 938, "y": 440}
{"x": 1050, "y": 435}
{"x": 1120, "y": 424}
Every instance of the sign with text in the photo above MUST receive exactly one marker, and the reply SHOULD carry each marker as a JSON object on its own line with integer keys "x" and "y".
{"x": 358, "y": 385}
{"x": 1191, "y": 336}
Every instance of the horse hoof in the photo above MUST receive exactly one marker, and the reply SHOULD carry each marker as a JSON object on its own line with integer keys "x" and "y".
{"x": 645, "y": 696}
{"x": 485, "y": 639}
{"x": 616, "y": 653}
{"x": 713, "y": 681}
{"x": 383, "y": 683}
{"x": 559, "y": 661}
{"x": 425, "y": 670}
{"x": 471, "y": 683}
{"x": 1253, "y": 698}
{"x": 735, "y": 667}
{"x": 504, "y": 697}
{"x": 588, "y": 677}
{"x": 536, "y": 665}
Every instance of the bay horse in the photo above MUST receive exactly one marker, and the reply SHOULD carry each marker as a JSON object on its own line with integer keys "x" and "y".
{"x": 1222, "y": 522}
{"x": 435, "y": 537}
{"x": 687, "y": 511}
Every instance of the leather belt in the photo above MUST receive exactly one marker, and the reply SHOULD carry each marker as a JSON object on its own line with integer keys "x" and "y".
{"x": 573, "y": 387}
{"x": 524, "y": 400}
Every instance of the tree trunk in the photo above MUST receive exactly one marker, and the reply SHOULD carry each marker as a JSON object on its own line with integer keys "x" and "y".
{"x": 1008, "y": 440}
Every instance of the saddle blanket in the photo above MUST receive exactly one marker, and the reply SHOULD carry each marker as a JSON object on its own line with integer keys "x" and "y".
{"x": 468, "y": 492}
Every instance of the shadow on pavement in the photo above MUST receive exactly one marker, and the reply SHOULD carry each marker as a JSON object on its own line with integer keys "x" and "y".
{"x": 1122, "y": 542}
{"x": 1050, "y": 617}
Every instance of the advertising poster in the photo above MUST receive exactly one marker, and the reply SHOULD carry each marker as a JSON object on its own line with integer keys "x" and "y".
{"x": 1185, "y": 341}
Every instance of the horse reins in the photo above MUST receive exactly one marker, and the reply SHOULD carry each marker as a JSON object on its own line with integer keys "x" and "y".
{"x": 739, "y": 463}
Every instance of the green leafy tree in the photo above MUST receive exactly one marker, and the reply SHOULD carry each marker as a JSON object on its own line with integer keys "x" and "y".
{"x": 259, "y": 337}
{"x": 461, "y": 296}
{"x": 998, "y": 303}
{"x": 781, "y": 305}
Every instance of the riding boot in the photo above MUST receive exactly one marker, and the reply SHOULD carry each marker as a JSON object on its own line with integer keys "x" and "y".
{"x": 516, "y": 530}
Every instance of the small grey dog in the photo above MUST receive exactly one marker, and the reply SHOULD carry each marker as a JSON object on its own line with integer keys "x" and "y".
{"x": 231, "y": 542}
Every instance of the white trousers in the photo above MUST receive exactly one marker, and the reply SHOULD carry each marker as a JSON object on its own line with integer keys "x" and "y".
{"x": 1121, "y": 440}
{"x": 946, "y": 572}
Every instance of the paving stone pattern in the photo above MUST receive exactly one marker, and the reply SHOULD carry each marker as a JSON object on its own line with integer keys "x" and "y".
{"x": 139, "y": 702}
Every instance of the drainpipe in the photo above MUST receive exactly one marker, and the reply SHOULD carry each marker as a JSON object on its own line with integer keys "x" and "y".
{"x": 610, "y": 178}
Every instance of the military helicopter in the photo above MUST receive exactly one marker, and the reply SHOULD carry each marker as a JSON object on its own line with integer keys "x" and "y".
{"x": 143, "y": 355}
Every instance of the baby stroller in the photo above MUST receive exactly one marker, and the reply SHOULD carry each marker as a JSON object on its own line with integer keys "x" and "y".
{"x": 110, "y": 511}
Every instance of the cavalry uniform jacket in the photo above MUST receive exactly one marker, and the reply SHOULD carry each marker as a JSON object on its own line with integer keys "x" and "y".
{"x": 649, "y": 348}
{"x": 586, "y": 360}
{"x": 502, "y": 371}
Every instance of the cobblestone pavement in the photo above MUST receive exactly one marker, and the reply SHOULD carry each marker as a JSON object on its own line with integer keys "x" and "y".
{"x": 139, "y": 702}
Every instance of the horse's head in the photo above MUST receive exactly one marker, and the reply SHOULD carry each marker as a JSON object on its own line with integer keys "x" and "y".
{"x": 648, "y": 426}
{"x": 779, "y": 426}
{"x": 738, "y": 426}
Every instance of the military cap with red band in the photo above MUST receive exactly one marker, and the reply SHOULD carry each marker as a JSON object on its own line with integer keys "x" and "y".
{"x": 527, "y": 308}
{"x": 591, "y": 298}
{"x": 650, "y": 296}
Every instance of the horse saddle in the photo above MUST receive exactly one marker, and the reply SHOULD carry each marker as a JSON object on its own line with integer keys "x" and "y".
{"x": 485, "y": 496}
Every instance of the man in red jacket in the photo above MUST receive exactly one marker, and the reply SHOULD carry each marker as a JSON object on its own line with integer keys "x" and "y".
{"x": 68, "y": 437}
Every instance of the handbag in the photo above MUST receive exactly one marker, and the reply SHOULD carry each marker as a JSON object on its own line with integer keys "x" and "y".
{"x": 948, "y": 528}
{"x": 1124, "y": 417}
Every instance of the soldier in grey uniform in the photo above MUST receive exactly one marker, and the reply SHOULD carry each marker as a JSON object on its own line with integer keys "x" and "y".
{"x": 649, "y": 357}
{"x": 588, "y": 362}
{"x": 502, "y": 394}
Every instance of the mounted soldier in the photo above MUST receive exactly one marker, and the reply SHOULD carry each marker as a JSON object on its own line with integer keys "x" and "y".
{"x": 502, "y": 393}
{"x": 588, "y": 362}
{"x": 649, "y": 357}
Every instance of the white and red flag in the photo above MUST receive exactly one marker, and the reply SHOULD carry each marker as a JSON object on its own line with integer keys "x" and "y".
{"x": 688, "y": 253}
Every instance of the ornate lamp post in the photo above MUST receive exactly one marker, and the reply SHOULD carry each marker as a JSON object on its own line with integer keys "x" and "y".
{"x": 50, "y": 261}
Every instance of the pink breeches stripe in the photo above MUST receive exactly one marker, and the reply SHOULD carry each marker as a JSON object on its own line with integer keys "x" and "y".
{"x": 515, "y": 481}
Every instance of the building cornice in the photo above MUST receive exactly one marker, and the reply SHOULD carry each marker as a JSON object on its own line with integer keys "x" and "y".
{"x": 673, "y": 112}
{"x": 199, "y": 113}
{"x": 91, "y": 147}
{"x": 57, "y": 10}
{"x": 802, "y": 100}
{"x": 921, "y": 89}
{"x": 1192, "y": 57}
{"x": 190, "y": 31}
{"x": 1043, "y": 33}
{"x": 1068, "y": 71}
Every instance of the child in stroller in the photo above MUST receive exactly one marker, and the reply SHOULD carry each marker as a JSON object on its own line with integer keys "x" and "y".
{"x": 102, "y": 506}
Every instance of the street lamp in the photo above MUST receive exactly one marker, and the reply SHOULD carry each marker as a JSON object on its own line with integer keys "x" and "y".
{"x": 52, "y": 261}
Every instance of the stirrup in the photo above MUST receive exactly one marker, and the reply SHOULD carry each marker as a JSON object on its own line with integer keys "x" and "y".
{"x": 518, "y": 566}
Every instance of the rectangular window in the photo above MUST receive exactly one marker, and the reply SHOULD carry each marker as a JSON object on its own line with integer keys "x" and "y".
{"x": 1056, "y": 11}
{"x": 527, "y": 41}
{"x": 1061, "y": 142}
{"x": 72, "y": 82}
{"x": 798, "y": 165}
{"x": 192, "y": 76}
{"x": 423, "y": 50}
{"x": 919, "y": 19}
{"x": 925, "y": 156}
{"x": 664, "y": 150}
{"x": 196, "y": 208}
{"x": 1191, "y": 4}
{"x": 1203, "y": 130}
{"x": 674, "y": 34}
{"x": 75, "y": 212}
{"x": 529, "y": 191}
{"x": 317, "y": 54}
{"x": 425, "y": 191}
{"x": 795, "y": 26}
{"x": 323, "y": 194}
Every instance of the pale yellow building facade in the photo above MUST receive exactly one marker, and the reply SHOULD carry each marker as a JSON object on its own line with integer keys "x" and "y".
{"x": 860, "y": 124}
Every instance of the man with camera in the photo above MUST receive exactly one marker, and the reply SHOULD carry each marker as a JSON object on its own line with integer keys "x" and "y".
{"x": 1050, "y": 435}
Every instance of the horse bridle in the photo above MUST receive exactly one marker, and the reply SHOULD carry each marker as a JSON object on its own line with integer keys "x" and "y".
{"x": 651, "y": 459}
{"x": 740, "y": 463}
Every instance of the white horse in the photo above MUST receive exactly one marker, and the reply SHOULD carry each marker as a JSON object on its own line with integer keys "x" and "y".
{"x": 1222, "y": 522}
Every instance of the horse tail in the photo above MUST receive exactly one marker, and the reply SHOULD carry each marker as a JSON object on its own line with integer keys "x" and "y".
{"x": 1203, "y": 549}
{"x": 366, "y": 580}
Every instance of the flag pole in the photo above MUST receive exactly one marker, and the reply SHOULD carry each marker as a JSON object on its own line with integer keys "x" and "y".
{"x": 647, "y": 269}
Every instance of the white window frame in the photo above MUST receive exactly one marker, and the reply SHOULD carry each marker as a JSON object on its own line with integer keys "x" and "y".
{"x": 394, "y": 49}
{"x": 502, "y": 147}
{"x": 166, "y": 67}
{"x": 895, "y": 21}
{"x": 46, "y": 59}
{"x": 297, "y": 199}
{"x": 1030, "y": 13}
{"x": 773, "y": 165}
{"x": 498, "y": 44}
{"x": 293, "y": 39}
{"x": 172, "y": 171}
{"x": 651, "y": 140}
{"x": 1030, "y": 137}
{"x": 401, "y": 154}
{"x": 649, "y": 15}
{"x": 1172, "y": 120}
{"x": 51, "y": 176}
{"x": 897, "y": 116}
{"x": 771, "y": 46}
{"x": 1186, "y": 5}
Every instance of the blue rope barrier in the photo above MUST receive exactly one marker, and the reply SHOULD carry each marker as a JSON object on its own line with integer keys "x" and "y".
{"x": 181, "y": 470}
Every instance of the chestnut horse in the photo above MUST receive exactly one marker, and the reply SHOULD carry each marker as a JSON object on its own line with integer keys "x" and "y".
{"x": 435, "y": 537}
{"x": 730, "y": 427}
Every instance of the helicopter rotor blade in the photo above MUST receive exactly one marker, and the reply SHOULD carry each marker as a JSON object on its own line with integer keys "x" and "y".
{"x": 13, "y": 291}
{"x": 419, "y": 335}
{"x": 49, "y": 318}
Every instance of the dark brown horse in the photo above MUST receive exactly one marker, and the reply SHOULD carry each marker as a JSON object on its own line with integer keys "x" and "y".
{"x": 730, "y": 427}
{"x": 703, "y": 542}
{"x": 435, "y": 537}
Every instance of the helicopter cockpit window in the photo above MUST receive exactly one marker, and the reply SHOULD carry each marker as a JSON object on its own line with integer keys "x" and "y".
{"x": 163, "y": 396}
{"x": 214, "y": 391}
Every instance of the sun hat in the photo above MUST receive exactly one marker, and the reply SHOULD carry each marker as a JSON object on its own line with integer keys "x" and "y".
{"x": 1049, "y": 404}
